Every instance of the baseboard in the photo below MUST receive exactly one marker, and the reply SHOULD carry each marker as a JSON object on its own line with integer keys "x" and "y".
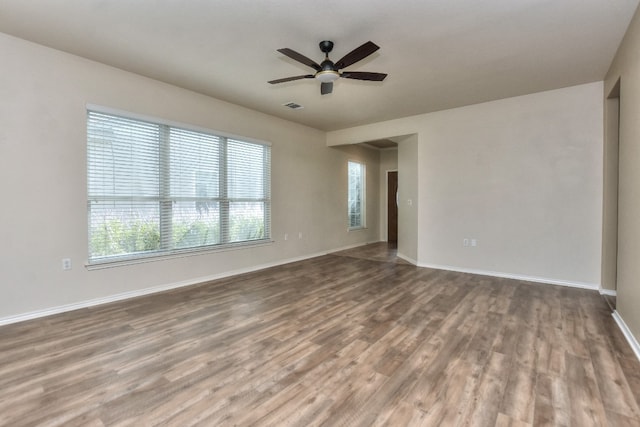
{"x": 608, "y": 292}
{"x": 356, "y": 245}
{"x": 147, "y": 291}
{"x": 406, "y": 258}
{"x": 166, "y": 287}
{"x": 633, "y": 342}
{"x": 581, "y": 285}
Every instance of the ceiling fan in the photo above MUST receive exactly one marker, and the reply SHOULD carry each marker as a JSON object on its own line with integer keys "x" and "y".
{"x": 327, "y": 71}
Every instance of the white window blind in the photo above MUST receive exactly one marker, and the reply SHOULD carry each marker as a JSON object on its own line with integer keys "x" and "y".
{"x": 156, "y": 189}
{"x": 356, "y": 193}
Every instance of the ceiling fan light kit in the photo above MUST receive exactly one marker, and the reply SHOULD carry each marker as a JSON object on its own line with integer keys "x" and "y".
{"x": 327, "y": 72}
{"x": 327, "y": 76}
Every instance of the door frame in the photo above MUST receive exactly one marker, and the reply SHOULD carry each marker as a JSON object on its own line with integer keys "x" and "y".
{"x": 610, "y": 208}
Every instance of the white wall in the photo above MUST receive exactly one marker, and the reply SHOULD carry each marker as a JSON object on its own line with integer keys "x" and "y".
{"x": 408, "y": 198}
{"x": 522, "y": 175}
{"x": 626, "y": 68}
{"x": 43, "y": 97}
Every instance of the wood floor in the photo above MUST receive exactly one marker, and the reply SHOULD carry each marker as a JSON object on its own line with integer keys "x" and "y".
{"x": 335, "y": 341}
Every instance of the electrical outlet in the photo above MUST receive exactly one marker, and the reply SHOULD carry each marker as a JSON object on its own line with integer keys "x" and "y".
{"x": 66, "y": 264}
{"x": 474, "y": 242}
{"x": 465, "y": 242}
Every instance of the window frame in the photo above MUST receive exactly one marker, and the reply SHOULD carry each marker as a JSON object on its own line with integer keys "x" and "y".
{"x": 165, "y": 251}
{"x": 362, "y": 196}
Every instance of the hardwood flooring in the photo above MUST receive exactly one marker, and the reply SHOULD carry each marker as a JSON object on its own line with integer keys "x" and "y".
{"x": 333, "y": 341}
{"x": 382, "y": 252}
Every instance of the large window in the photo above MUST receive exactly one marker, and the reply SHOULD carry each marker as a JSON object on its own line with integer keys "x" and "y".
{"x": 356, "y": 190}
{"x": 157, "y": 189}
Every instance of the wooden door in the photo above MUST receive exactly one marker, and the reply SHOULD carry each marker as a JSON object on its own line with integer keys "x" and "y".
{"x": 392, "y": 206}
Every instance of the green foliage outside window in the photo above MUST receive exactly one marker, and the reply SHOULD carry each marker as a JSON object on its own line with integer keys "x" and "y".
{"x": 118, "y": 237}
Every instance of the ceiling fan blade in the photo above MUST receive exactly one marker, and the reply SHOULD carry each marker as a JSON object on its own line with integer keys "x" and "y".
{"x": 326, "y": 88}
{"x": 300, "y": 58}
{"x": 363, "y": 75}
{"x": 288, "y": 79}
{"x": 357, "y": 54}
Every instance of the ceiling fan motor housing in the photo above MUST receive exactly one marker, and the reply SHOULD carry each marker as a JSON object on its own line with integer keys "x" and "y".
{"x": 328, "y": 72}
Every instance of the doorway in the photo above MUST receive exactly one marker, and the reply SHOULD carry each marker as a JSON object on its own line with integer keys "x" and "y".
{"x": 392, "y": 207}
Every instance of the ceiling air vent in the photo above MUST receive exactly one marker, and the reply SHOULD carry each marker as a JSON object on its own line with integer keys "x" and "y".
{"x": 293, "y": 105}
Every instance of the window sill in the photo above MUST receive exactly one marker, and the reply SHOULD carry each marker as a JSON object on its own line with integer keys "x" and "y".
{"x": 356, "y": 229}
{"x": 142, "y": 259}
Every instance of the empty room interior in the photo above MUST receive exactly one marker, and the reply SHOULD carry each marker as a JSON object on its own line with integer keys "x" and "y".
{"x": 320, "y": 213}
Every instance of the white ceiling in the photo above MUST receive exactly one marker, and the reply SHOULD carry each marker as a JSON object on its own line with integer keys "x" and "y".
{"x": 439, "y": 54}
